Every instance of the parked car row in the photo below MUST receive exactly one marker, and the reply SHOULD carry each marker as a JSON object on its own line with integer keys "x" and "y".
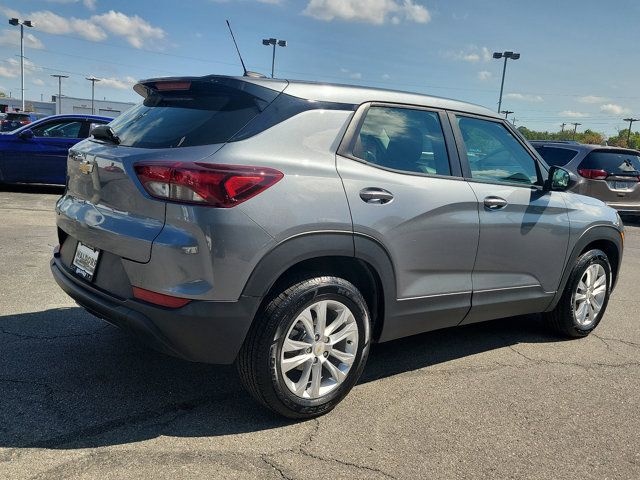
{"x": 14, "y": 120}
{"x": 286, "y": 226}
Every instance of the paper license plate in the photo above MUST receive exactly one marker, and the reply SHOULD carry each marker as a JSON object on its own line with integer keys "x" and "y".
{"x": 85, "y": 261}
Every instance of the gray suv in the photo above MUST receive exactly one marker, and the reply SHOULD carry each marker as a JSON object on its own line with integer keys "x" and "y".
{"x": 286, "y": 226}
{"x": 610, "y": 174}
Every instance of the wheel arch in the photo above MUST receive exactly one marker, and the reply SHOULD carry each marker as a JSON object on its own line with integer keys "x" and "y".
{"x": 603, "y": 237}
{"x": 359, "y": 259}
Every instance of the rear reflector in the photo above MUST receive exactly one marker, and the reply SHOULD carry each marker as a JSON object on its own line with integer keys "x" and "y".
{"x": 159, "y": 298}
{"x": 221, "y": 186}
{"x": 593, "y": 174}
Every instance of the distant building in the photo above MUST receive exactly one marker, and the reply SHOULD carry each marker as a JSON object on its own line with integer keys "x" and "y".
{"x": 106, "y": 108}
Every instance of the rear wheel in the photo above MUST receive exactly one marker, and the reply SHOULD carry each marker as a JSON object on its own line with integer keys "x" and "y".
{"x": 585, "y": 297}
{"x": 307, "y": 347}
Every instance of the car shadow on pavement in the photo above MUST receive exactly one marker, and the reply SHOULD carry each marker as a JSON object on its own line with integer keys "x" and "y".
{"x": 70, "y": 380}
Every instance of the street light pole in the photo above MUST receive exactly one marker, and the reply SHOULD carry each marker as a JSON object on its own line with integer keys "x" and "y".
{"x": 60, "y": 77}
{"x": 22, "y": 23}
{"x": 506, "y": 113}
{"x": 93, "y": 81}
{"x": 273, "y": 42}
{"x": 506, "y": 55}
{"x": 630, "y": 120}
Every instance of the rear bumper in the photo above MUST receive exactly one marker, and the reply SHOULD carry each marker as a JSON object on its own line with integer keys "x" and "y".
{"x": 626, "y": 208}
{"x": 202, "y": 331}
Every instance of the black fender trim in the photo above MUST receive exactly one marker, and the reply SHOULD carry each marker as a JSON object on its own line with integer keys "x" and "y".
{"x": 314, "y": 245}
{"x": 592, "y": 234}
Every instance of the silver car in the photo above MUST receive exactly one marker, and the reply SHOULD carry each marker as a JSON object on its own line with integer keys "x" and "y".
{"x": 286, "y": 226}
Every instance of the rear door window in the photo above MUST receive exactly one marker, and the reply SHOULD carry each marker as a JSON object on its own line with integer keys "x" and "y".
{"x": 556, "y": 156}
{"x": 202, "y": 113}
{"x": 18, "y": 117}
{"x": 403, "y": 139}
{"x": 620, "y": 162}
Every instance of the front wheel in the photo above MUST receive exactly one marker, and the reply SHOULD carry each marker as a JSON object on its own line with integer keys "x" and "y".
{"x": 307, "y": 347}
{"x": 585, "y": 297}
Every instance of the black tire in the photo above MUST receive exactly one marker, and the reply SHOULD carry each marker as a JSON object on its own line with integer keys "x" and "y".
{"x": 258, "y": 359}
{"x": 562, "y": 319}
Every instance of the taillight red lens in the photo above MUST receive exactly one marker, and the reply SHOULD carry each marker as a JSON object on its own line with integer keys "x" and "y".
{"x": 25, "y": 122}
{"x": 593, "y": 174}
{"x": 221, "y": 186}
{"x": 159, "y": 298}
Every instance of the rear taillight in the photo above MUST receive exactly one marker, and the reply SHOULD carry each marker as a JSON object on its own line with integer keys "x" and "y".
{"x": 221, "y": 186}
{"x": 161, "y": 299}
{"x": 593, "y": 174}
{"x": 24, "y": 122}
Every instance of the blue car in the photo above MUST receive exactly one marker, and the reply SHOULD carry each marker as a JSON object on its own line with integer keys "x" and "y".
{"x": 37, "y": 152}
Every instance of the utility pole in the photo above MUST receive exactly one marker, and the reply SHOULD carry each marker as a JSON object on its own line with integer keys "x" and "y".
{"x": 506, "y": 55}
{"x": 506, "y": 113}
{"x": 93, "y": 81}
{"x": 562, "y": 125}
{"x": 630, "y": 120}
{"x": 23, "y": 23}
{"x": 514, "y": 121}
{"x": 575, "y": 128}
{"x": 60, "y": 77}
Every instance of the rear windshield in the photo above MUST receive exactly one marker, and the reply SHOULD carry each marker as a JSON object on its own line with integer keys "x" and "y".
{"x": 613, "y": 162}
{"x": 555, "y": 156}
{"x": 208, "y": 112}
{"x": 17, "y": 117}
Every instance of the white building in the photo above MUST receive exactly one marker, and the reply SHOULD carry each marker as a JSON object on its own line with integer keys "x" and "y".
{"x": 106, "y": 108}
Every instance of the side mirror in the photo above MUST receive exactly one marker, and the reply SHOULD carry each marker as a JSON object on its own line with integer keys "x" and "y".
{"x": 26, "y": 134}
{"x": 559, "y": 180}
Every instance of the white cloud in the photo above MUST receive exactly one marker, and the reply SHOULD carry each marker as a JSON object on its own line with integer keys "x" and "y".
{"x": 11, "y": 38}
{"x": 472, "y": 54}
{"x": 386, "y": 76}
{"x": 134, "y": 29}
{"x": 90, "y": 4}
{"x": 376, "y": 12}
{"x": 572, "y": 114}
{"x": 592, "y": 99}
{"x": 484, "y": 75}
{"x": 120, "y": 84}
{"x": 10, "y": 68}
{"x": 523, "y": 97}
{"x": 614, "y": 109}
{"x": 38, "y": 81}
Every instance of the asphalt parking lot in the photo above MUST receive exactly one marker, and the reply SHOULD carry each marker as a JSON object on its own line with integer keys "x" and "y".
{"x": 80, "y": 399}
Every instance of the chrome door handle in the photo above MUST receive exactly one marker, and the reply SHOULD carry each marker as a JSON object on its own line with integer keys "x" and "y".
{"x": 495, "y": 203}
{"x": 376, "y": 195}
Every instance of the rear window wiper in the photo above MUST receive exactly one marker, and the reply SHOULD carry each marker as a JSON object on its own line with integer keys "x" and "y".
{"x": 105, "y": 132}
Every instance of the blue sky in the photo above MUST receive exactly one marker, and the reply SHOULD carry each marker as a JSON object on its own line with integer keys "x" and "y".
{"x": 578, "y": 63}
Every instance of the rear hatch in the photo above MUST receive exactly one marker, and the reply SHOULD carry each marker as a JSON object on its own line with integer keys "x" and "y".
{"x": 615, "y": 175}
{"x": 180, "y": 119}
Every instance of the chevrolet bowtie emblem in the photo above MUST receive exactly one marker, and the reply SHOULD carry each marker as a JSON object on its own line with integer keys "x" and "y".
{"x": 86, "y": 167}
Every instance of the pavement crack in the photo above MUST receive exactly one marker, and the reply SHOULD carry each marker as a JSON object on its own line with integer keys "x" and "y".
{"x": 541, "y": 361}
{"x": 346, "y": 464}
{"x": 273, "y": 465}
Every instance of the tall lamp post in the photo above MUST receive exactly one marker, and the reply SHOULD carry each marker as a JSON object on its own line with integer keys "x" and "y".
{"x": 630, "y": 120}
{"x": 506, "y": 56}
{"x": 22, "y": 23}
{"x": 93, "y": 81}
{"x": 274, "y": 42}
{"x": 60, "y": 77}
